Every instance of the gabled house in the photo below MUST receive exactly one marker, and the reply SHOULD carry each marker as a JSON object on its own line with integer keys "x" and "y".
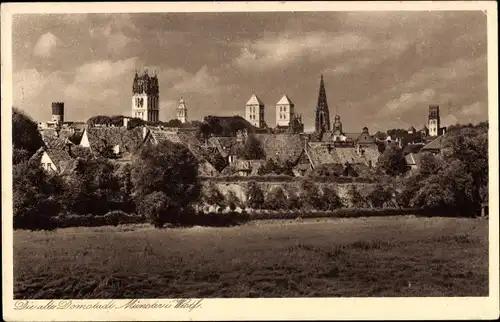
{"x": 55, "y": 158}
{"x": 117, "y": 143}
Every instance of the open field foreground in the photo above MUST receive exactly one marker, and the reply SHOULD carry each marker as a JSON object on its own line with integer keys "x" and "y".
{"x": 402, "y": 256}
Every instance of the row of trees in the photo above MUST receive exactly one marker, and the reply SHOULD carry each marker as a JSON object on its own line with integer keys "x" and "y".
{"x": 117, "y": 120}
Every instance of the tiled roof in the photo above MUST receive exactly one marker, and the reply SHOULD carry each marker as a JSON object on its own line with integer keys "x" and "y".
{"x": 164, "y": 135}
{"x": 285, "y": 100}
{"x": 128, "y": 140}
{"x": 254, "y": 100}
{"x": 434, "y": 144}
{"x": 322, "y": 154}
{"x": 282, "y": 147}
{"x": 223, "y": 144}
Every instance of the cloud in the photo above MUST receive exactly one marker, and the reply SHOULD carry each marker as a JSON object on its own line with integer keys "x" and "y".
{"x": 408, "y": 101}
{"x": 116, "y": 32}
{"x": 369, "y": 56}
{"x": 283, "y": 49}
{"x": 200, "y": 82}
{"x": 46, "y": 45}
{"x": 100, "y": 80}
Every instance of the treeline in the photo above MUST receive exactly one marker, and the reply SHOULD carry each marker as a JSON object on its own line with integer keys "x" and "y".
{"x": 118, "y": 120}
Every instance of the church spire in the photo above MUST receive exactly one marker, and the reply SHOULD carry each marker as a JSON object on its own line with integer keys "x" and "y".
{"x": 322, "y": 111}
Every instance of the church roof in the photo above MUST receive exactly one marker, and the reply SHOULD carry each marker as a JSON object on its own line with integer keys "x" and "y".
{"x": 411, "y": 128}
{"x": 254, "y": 100}
{"x": 285, "y": 100}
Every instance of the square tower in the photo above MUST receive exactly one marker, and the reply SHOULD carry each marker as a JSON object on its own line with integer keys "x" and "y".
{"x": 434, "y": 120}
{"x": 254, "y": 111}
{"x": 284, "y": 111}
{"x": 145, "y": 98}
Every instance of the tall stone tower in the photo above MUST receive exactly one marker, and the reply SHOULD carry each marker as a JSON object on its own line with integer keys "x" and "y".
{"x": 146, "y": 97}
{"x": 182, "y": 111}
{"x": 254, "y": 111}
{"x": 284, "y": 111}
{"x": 58, "y": 112}
{"x": 322, "y": 111}
{"x": 434, "y": 120}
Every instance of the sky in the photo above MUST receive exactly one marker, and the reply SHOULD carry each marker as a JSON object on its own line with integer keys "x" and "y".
{"x": 381, "y": 69}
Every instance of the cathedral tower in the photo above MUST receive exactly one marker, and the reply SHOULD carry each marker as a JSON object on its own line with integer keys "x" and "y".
{"x": 145, "y": 97}
{"x": 434, "y": 120}
{"x": 284, "y": 111}
{"x": 254, "y": 111}
{"x": 182, "y": 111}
{"x": 322, "y": 111}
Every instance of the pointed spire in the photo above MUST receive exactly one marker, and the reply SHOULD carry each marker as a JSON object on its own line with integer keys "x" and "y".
{"x": 322, "y": 110}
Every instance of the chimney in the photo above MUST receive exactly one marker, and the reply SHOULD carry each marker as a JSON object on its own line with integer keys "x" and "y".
{"x": 144, "y": 132}
{"x": 125, "y": 121}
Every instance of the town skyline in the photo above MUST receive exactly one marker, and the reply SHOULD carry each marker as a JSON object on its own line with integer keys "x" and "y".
{"x": 377, "y": 72}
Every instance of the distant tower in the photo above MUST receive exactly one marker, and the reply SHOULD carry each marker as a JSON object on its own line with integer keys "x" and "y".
{"x": 182, "y": 111}
{"x": 434, "y": 120}
{"x": 284, "y": 111}
{"x": 322, "y": 111}
{"x": 145, "y": 98}
{"x": 58, "y": 112}
{"x": 254, "y": 111}
{"x": 337, "y": 126}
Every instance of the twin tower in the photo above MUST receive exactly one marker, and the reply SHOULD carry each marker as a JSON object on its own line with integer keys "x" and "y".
{"x": 254, "y": 112}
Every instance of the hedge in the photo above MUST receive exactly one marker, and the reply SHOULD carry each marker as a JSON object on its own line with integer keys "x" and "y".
{"x": 284, "y": 178}
{"x": 338, "y": 213}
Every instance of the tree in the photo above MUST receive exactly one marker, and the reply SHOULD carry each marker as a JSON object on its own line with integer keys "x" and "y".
{"x": 356, "y": 198}
{"x": 293, "y": 201}
{"x": 135, "y": 122}
{"x": 429, "y": 164}
{"x": 93, "y": 188}
{"x": 232, "y": 200}
{"x": 99, "y": 119}
{"x": 252, "y": 149}
{"x": 20, "y": 155}
{"x": 174, "y": 123}
{"x": 331, "y": 199}
{"x": 169, "y": 168}
{"x": 25, "y": 135}
{"x": 392, "y": 161}
{"x": 116, "y": 120}
{"x": 380, "y": 196}
{"x": 310, "y": 194}
{"x": 157, "y": 207}
{"x": 35, "y": 200}
{"x": 255, "y": 196}
{"x": 276, "y": 199}
{"x": 213, "y": 196}
{"x": 123, "y": 174}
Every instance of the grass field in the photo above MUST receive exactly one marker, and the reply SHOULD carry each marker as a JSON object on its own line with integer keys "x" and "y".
{"x": 396, "y": 256}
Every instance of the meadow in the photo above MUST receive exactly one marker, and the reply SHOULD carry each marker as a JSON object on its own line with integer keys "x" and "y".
{"x": 345, "y": 257}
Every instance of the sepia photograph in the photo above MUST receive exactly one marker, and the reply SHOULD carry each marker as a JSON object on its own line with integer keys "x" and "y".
{"x": 281, "y": 154}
